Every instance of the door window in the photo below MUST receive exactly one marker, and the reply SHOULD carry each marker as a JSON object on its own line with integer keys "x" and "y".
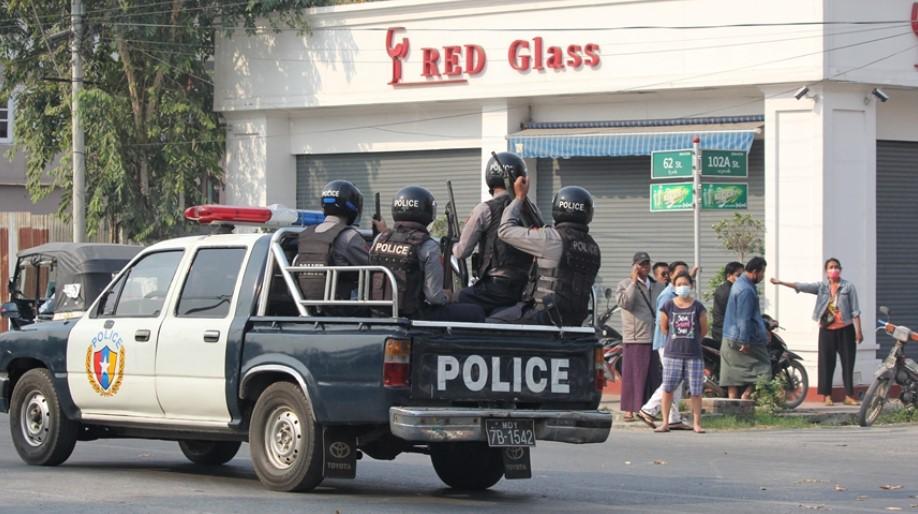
{"x": 141, "y": 292}
{"x": 209, "y": 286}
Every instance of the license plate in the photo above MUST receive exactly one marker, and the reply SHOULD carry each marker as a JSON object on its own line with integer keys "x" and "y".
{"x": 510, "y": 432}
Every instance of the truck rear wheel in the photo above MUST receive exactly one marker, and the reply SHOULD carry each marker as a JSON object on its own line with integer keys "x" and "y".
{"x": 284, "y": 439}
{"x": 210, "y": 453}
{"x": 41, "y": 433}
{"x": 468, "y": 466}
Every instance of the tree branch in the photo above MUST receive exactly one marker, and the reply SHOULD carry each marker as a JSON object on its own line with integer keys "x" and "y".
{"x": 161, "y": 72}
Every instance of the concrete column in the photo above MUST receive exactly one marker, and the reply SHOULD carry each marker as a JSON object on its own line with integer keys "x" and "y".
{"x": 820, "y": 190}
{"x": 495, "y": 119}
{"x": 260, "y": 168}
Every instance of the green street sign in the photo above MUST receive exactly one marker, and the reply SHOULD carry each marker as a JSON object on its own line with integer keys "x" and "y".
{"x": 669, "y": 197}
{"x": 671, "y": 164}
{"x": 724, "y": 195}
{"x": 724, "y": 163}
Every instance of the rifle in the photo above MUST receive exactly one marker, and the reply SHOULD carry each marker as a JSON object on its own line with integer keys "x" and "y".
{"x": 534, "y": 215}
{"x": 376, "y": 216}
{"x": 454, "y": 233}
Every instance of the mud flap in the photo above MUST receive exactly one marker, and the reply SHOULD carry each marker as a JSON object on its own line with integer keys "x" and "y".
{"x": 516, "y": 462}
{"x": 340, "y": 454}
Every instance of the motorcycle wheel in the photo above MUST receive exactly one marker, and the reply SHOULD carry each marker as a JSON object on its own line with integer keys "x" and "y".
{"x": 873, "y": 402}
{"x": 797, "y": 382}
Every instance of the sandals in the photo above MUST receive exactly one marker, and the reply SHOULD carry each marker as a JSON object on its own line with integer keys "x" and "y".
{"x": 850, "y": 401}
{"x": 699, "y": 430}
{"x": 646, "y": 418}
{"x": 629, "y": 418}
{"x": 661, "y": 429}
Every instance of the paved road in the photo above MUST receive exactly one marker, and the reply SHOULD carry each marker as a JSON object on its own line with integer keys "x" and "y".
{"x": 736, "y": 472}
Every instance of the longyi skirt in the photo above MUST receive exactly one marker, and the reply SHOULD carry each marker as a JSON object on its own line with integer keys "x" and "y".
{"x": 641, "y": 375}
{"x": 740, "y": 369}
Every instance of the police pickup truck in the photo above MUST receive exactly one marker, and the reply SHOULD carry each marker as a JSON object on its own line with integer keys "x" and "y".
{"x": 207, "y": 341}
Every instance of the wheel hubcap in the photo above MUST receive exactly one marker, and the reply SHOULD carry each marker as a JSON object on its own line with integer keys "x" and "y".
{"x": 283, "y": 438}
{"x": 35, "y": 419}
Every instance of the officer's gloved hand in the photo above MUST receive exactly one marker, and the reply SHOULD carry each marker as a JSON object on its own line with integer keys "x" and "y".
{"x": 380, "y": 226}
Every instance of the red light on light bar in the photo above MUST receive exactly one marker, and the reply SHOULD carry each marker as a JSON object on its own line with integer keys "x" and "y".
{"x": 205, "y": 214}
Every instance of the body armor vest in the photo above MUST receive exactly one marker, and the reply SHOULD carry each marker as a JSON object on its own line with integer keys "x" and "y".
{"x": 315, "y": 249}
{"x": 572, "y": 281}
{"x": 397, "y": 249}
{"x": 498, "y": 259}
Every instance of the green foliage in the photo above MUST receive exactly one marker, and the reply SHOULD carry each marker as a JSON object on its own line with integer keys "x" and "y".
{"x": 907, "y": 414}
{"x": 742, "y": 234}
{"x": 713, "y": 283}
{"x": 770, "y": 394}
{"x": 153, "y": 142}
{"x": 438, "y": 227}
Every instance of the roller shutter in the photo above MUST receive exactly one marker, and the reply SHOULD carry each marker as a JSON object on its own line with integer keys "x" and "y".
{"x": 388, "y": 172}
{"x": 623, "y": 223}
{"x": 897, "y": 235}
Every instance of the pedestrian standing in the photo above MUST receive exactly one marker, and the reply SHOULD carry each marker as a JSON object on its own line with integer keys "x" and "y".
{"x": 744, "y": 351}
{"x": 839, "y": 316}
{"x": 732, "y": 271}
{"x": 636, "y": 296}
{"x": 650, "y": 408}
{"x": 684, "y": 322}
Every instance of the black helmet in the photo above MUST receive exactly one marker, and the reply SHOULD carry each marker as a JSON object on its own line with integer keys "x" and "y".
{"x": 414, "y": 203}
{"x": 572, "y": 204}
{"x": 341, "y": 198}
{"x": 513, "y": 164}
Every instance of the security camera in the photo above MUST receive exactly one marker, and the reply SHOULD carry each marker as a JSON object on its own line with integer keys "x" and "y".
{"x": 880, "y": 94}
{"x": 801, "y": 92}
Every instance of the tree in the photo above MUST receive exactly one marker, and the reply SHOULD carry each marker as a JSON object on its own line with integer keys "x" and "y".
{"x": 153, "y": 142}
{"x": 741, "y": 234}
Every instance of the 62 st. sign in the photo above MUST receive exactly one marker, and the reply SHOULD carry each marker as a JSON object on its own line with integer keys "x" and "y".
{"x": 454, "y": 64}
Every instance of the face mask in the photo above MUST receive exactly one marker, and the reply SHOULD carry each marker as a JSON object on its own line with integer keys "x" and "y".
{"x": 834, "y": 274}
{"x": 684, "y": 291}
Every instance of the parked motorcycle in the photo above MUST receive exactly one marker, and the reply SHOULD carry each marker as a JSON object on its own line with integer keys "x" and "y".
{"x": 611, "y": 340}
{"x": 784, "y": 363}
{"x": 896, "y": 369}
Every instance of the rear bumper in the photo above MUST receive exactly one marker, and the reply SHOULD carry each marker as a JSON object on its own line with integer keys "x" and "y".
{"x": 437, "y": 425}
{"x": 5, "y": 392}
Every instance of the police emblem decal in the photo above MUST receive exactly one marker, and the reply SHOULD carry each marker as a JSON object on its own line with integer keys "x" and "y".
{"x": 105, "y": 363}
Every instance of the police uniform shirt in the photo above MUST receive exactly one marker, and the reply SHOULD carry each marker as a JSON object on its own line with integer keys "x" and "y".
{"x": 475, "y": 228}
{"x": 544, "y": 244}
{"x": 349, "y": 248}
{"x": 430, "y": 258}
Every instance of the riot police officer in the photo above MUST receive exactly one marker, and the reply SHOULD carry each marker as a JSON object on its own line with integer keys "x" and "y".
{"x": 415, "y": 259}
{"x": 503, "y": 271}
{"x": 334, "y": 242}
{"x": 567, "y": 259}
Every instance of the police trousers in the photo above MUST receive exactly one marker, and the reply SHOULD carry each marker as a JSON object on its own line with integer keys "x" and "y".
{"x": 493, "y": 293}
{"x": 458, "y": 312}
{"x": 522, "y": 313}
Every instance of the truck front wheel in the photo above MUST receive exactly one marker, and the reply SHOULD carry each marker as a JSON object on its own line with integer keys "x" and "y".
{"x": 283, "y": 437}
{"x": 41, "y": 433}
{"x": 210, "y": 453}
{"x": 468, "y": 466}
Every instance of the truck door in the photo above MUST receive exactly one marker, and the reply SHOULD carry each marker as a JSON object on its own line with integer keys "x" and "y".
{"x": 111, "y": 352}
{"x": 191, "y": 359}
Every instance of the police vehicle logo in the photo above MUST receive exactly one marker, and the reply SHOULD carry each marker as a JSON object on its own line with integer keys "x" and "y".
{"x": 105, "y": 358}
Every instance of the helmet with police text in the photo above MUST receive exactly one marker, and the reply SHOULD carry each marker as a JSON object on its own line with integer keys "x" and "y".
{"x": 414, "y": 203}
{"x": 342, "y": 198}
{"x": 512, "y": 164}
{"x": 572, "y": 204}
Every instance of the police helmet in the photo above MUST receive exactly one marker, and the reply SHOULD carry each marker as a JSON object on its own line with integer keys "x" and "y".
{"x": 414, "y": 203}
{"x": 572, "y": 204}
{"x": 513, "y": 164}
{"x": 342, "y": 198}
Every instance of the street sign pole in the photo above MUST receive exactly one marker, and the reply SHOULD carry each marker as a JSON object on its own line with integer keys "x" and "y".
{"x": 696, "y": 208}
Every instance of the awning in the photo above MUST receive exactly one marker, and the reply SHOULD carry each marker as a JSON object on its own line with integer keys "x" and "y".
{"x": 556, "y": 141}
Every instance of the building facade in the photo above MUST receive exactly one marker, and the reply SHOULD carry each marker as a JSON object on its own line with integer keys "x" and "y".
{"x": 421, "y": 91}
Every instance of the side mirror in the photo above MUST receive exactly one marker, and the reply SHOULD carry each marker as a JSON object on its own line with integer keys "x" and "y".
{"x": 9, "y": 310}
{"x": 884, "y": 310}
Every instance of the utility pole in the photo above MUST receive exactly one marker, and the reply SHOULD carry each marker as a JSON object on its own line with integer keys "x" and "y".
{"x": 79, "y": 167}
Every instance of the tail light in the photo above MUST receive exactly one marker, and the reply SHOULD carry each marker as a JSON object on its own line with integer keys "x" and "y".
{"x": 397, "y": 363}
{"x": 599, "y": 366}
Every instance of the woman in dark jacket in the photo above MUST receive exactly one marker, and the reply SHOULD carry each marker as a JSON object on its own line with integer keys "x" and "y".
{"x": 839, "y": 316}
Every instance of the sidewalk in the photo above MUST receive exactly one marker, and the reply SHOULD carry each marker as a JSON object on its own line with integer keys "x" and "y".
{"x": 813, "y": 412}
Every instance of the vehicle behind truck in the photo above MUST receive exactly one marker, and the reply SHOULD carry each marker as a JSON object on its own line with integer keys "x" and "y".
{"x": 208, "y": 341}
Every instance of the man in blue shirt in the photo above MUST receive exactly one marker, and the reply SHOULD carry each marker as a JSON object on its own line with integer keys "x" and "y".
{"x": 650, "y": 409}
{"x": 744, "y": 350}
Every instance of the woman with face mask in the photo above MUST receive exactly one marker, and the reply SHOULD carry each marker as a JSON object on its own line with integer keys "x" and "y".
{"x": 684, "y": 322}
{"x": 839, "y": 317}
